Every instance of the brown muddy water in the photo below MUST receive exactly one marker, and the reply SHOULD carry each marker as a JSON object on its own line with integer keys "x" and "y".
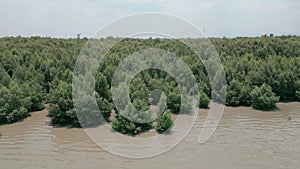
{"x": 245, "y": 138}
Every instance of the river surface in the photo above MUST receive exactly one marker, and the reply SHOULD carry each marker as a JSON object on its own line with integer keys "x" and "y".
{"x": 245, "y": 138}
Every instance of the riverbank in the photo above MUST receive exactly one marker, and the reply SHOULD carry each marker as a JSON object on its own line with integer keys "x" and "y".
{"x": 228, "y": 110}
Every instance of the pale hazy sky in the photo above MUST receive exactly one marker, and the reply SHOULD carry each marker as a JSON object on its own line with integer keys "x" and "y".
{"x": 65, "y": 18}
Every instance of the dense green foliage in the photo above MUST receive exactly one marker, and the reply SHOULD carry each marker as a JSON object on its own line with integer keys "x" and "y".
{"x": 263, "y": 98}
{"x": 62, "y": 110}
{"x": 31, "y": 69}
{"x": 203, "y": 100}
{"x": 164, "y": 122}
{"x": 125, "y": 126}
{"x": 36, "y": 70}
{"x": 12, "y": 106}
{"x": 130, "y": 126}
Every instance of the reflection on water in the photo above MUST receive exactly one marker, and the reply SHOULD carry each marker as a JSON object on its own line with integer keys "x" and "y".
{"x": 246, "y": 138}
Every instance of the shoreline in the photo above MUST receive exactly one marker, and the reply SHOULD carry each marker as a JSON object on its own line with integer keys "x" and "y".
{"x": 228, "y": 110}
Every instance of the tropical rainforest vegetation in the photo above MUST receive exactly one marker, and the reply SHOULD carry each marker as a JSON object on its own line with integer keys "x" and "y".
{"x": 259, "y": 72}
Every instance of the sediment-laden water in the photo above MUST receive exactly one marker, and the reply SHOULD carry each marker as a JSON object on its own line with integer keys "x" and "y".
{"x": 245, "y": 138}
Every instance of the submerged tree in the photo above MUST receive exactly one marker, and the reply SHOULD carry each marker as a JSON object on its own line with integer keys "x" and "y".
{"x": 62, "y": 109}
{"x": 263, "y": 98}
{"x": 203, "y": 100}
{"x": 12, "y": 105}
{"x": 164, "y": 122}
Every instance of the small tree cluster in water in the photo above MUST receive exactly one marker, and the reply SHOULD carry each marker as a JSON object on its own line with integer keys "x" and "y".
{"x": 164, "y": 122}
{"x": 259, "y": 73}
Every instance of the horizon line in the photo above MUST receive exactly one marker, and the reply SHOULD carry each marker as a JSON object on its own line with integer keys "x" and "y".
{"x": 150, "y": 37}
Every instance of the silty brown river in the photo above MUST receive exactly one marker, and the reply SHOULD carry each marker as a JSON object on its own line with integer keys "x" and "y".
{"x": 245, "y": 138}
